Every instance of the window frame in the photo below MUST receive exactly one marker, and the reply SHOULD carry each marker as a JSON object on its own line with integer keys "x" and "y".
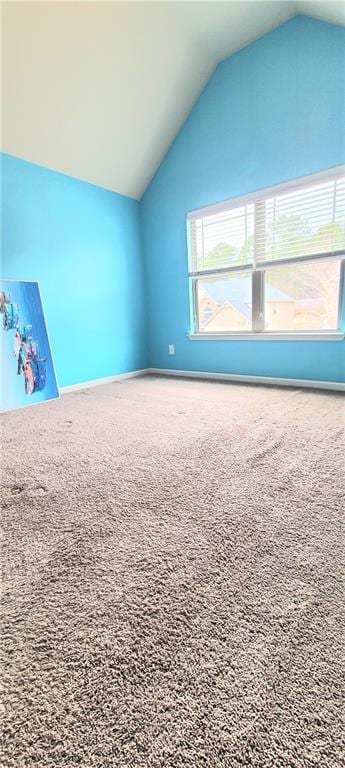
{"x": 257, "y": 271}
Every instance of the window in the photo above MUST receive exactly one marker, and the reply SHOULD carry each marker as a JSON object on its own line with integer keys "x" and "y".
{"x": 270, "y": 263}
{"x": 225, "y": 303}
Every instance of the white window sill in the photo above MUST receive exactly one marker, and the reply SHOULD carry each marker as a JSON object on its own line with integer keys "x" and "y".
{"x": 266, "y": 336}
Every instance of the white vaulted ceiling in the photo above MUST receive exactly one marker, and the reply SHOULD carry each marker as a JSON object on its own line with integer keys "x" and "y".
{"x": 99, "y": 90}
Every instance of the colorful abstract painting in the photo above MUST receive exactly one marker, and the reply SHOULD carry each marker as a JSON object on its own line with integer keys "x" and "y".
{"x": 27, "y": 369}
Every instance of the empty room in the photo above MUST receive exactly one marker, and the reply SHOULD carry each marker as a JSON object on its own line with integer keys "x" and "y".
{"x": 172, "y": 327}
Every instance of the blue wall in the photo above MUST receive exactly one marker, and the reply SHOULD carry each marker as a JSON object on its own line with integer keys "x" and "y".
{"x": 271, "y": 113}
{"x": 83, "y": 245}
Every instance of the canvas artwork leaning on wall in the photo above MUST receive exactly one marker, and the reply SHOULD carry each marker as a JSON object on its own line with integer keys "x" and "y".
{"x": 27, "y": 369}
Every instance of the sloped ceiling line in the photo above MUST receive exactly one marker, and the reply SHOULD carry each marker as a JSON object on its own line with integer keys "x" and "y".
{"x": 100, "y": 90}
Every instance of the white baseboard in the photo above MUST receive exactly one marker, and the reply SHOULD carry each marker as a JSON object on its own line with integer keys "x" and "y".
{"x": 270, "y": 380}
{"x": 106, "y": 380}
{"x": 266, "y": 380}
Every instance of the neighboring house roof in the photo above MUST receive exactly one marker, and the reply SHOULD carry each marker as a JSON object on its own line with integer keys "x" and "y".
{"x": 241, "y": 306}
{"x": 244, "y": 310}
{"x": 238, "y": 292}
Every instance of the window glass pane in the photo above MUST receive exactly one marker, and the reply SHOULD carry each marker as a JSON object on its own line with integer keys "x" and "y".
{"x": 225, "y": 303}
{"x": 302, "y": 297}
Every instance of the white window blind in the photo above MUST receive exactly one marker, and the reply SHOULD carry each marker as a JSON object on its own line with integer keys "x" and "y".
{"x": 307, "y": 222}
{"x": 222, "y": 240}
{"x": 303, "y": 223}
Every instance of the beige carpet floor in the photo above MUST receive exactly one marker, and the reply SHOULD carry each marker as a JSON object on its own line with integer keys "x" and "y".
{"x": 172, "y": 561}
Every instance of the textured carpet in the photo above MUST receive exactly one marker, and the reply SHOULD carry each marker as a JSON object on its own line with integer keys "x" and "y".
{"x": 173, "y": 553}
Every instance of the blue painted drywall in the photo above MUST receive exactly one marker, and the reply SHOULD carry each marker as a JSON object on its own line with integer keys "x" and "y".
{"x": 83, "y": 245}
{"x": 271, "y": 113}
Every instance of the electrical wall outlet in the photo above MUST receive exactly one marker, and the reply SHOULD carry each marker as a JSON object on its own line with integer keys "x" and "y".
{"x": 171, "y": 349}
